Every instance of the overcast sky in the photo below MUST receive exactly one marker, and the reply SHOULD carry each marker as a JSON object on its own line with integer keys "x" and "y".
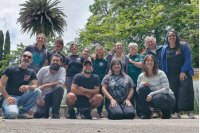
{"x": 77, "y": 12}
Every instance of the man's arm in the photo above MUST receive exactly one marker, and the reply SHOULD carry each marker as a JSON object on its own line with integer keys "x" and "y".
{"x": 3, "y": 81}
{"x": 24, "y": 88}
{"x": 34, "y": 84}
{"x": 10, "y": 100}
{"x": 89, "y": 91}
{"x": 50, "y": 85}
{"x": 74, "y": 89}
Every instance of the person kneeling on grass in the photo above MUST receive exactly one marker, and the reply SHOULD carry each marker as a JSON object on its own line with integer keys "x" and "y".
{"x": 84, "y": 92}
{"x": 153, "y": 89}
{"x": 18, "y": 92}
{"x": 118, "y": 90}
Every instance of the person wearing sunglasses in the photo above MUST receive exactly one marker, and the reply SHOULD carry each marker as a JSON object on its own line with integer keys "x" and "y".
{"x": 177, "y": 64}
{"x": 38, "y": 51}
{"x": 17, "y": 91}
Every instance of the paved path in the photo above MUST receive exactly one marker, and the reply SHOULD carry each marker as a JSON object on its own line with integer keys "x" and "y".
{"x": 183, "y": 125}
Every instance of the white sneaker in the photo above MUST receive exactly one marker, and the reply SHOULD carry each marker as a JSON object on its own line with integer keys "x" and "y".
{"x": 4, "y": 116}
{"x": 24, "y": 116}
{"x": 191, "y": 114}
{"x": 155, "y": 115}
{"x": 176, "y": 116}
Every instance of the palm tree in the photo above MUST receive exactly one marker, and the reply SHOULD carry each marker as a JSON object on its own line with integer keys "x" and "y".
{"x": 42, "y": 16}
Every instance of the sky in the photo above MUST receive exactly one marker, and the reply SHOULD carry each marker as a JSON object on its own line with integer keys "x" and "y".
{"x": 77, "y": 12}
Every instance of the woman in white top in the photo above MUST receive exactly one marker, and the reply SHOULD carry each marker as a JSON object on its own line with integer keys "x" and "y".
{"x": 153, "y": 89}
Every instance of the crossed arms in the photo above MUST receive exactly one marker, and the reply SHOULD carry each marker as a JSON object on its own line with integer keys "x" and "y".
{"x": 78, "y": 90}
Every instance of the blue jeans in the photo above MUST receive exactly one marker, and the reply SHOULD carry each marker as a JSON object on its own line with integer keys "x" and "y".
{"x": 27, "y": 100}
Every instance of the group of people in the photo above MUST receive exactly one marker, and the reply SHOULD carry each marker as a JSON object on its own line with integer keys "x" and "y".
{"x": 158, "y": 80}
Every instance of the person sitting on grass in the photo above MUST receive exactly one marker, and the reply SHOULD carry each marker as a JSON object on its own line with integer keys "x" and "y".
{"x": 50, "y": 81}
{"x": 153, "y": 89}
{"x": 17, "y": 80}
{"x": 84, "y": 92}
{"x": 118, "y": 90}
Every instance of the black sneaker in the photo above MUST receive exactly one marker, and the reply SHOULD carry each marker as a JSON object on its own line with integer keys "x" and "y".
{"x": 71, "y": 115}
{"x": 166, "y": 115}
{"x": 86, "y": 114}
{"x": 55, "y": 116}
{"x": 145, "y": 116}
{"x": 37, "y": 115}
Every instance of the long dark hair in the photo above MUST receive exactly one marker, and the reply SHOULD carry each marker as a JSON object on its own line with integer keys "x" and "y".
{"x": 111, "y": 72}
{"x": 178, "y": 45}
{"x": 144, "y": 68}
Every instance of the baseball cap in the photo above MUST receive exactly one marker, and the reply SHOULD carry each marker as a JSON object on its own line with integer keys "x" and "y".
{"x": 87, "y": 61}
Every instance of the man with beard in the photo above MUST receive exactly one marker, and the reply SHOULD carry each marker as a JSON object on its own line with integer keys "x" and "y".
{"x": 57, "y": 48}
{"x": 84, "y": 92}
{"x": 50, "y": 81}
{"x": 15, "y": 92}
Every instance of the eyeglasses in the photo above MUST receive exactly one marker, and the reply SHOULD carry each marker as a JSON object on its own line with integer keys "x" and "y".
{"x": 132, "y": 47}
{"x": 171, "y": 35}
{"x": 29, "y": 57}
{"x": 40, "y": 38}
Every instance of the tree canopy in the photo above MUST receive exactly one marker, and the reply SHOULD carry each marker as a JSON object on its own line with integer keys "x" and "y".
{"x": 42, "y": 16}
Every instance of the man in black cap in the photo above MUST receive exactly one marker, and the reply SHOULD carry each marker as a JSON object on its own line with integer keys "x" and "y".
{"x": 84, "y": 92}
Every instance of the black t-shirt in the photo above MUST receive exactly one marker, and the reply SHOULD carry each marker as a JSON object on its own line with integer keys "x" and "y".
{"x": 89, "y": 83}
{"x": 75, "y": 64}
{"x": 16, "y": 78}
{"x": 50, "y": 53}
{"x": 175, "y": 60}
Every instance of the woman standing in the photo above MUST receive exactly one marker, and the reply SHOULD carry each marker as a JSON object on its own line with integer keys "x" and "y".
{"x": 86, "y": 54}
{"x": 38, "y": 51}
{"x": 118, "y": 55}
{"x": 134, "y": 70}
{"x": 73, "y": 65}
{"x": 99, "y": 66}
{"x": 153, "y": 89}
{"x": 177, "y": 64}
{"x": 118, "y": 90}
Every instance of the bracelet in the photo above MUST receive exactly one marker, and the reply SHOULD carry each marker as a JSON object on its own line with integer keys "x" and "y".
{"x": 132, "y": 62}
{"x": 128, "y": 98}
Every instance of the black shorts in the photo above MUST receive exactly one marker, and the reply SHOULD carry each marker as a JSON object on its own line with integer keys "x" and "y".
{"x": 82, "y": 102}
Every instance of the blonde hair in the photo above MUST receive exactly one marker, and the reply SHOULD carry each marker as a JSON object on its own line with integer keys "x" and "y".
{"x": 95, "y": 55}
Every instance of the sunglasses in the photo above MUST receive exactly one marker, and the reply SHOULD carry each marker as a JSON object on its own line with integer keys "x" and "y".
{"x": 29, "y": 57}
{"x": 171, "y": 35}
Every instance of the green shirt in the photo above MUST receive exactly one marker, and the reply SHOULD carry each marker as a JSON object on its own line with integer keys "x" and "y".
{"x": 134, "y": 71}
{"x": 99, "y": 66}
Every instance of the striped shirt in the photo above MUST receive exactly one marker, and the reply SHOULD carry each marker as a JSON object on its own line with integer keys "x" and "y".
{"x": 158, "y": 83}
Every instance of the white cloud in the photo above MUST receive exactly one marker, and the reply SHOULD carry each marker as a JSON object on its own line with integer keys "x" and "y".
{"x": 77, "y": 12}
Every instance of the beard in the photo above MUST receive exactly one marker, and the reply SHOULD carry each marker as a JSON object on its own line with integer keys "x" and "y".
{"x": 25, "y": 63}
{"x": 87, "y": 72}
{"x": 54, "y": 67}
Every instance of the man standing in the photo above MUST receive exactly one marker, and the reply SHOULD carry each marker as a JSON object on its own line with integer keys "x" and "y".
{"x": 155, "y": 50}
{"x": 57, "y": 48}
{"x": 50, "y": 81}
{"x": 84, "y": 92}
{"x": 17, "y": 80}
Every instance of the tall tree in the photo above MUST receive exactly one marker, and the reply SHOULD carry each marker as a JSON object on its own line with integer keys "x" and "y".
{"x": 42, "y": 16}
{"x": 7, "y": 44}
{"x": 1, "y": 44}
